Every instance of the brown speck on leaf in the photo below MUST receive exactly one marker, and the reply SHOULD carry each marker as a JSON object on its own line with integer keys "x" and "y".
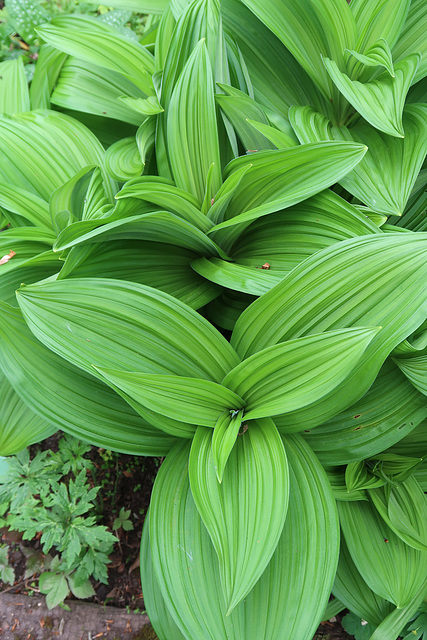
{"x": 266, "y": 265}
{"x": 212, "y": 201}
{"x": 357, "y": 416}
{"x": 7, "y": 257}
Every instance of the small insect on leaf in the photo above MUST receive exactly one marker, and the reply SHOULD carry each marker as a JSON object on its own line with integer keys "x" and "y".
{"x": 266, "y": 265}
{"x": 7, "y": 257}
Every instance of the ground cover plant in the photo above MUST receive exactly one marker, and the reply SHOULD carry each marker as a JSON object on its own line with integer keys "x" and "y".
{"x": 216, "y": 252}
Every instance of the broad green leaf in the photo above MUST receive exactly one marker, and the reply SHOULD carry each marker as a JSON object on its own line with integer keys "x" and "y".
{"x": 278, "y": 138}
{"x": 378, "y": 54}
{"x": 394, "y": 623}
{"x": 277, "y": 179}
{"x": 412, "y": 38}
{"x": 296, "y": 373}
{"x": 31, "y": 207}
{"x": 352, "y": 590}
{"x": 310, "y": 30}
{"x": 32, "y": 151}
{"x": 158, "y": 226}
{"x": 404, "y": 508}
{"x": 154, "y": 264}
{"x": 388, "y": 412}
{"x": 83, "y": 86}
{"x": 55, "y": 586}
{"x": 84, "y": 590}
{"x": 415, "y": 369}
{"x": 160, "y": 617}
{"x": 19, "y": 425}
{"x": 391, "y": 568}
{"x": 385, "y": 177}
{"x": 235, "y": 276}
{"x": 125, "y": 325}
{"x": 102, "y": 45}
{"x": 14, "y": 96}
{"x": 251, "y": 503}
{"x": 89, "y": 409}
{"x": 192, "y": 128}
{"x": 386, "y": 290}
{"x": 224, "y": 437}
{"x": 380, "y": 101}
{"x": 166, "y": 195}
{"x": 185, "y": 399}
{"x": 15, "y": 271}
{"x": 303, "y": 564}
{"x": 278, "y": 80}
{"x": 144, "y": 106}
{"x": 123, "y": 160}
{"x": 378, "y": 19}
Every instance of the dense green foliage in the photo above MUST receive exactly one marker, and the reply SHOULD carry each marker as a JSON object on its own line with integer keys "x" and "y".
{"x": 216, "y": 251}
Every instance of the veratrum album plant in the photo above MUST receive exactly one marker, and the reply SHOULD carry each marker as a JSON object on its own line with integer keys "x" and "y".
{"x": 215, "y": 250}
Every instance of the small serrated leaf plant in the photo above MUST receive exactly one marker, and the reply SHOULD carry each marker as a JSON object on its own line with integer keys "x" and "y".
{"x": 216, "y": 254}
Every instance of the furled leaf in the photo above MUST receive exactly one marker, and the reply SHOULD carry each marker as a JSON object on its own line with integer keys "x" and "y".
{"x": 378, "y": 19}
{"x": 224, "y": 437}
{"x": 378, "y": 54}
{"x": 48, "y": 68}
{"x": 123, "y": 160}
{"x": 380, "y": 101}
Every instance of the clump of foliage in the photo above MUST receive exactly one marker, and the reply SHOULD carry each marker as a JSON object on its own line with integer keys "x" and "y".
{"x": 37, "y": 503}
{"x": 216, "y": 252}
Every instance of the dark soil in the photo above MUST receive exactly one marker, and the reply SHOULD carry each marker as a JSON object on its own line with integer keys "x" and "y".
{"x": 125, "y": 481}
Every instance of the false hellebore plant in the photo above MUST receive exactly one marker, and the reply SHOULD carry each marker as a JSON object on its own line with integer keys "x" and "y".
{"x": 258, "y": 318}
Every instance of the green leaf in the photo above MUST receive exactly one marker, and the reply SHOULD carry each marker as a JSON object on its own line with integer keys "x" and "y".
{"x": 394, "y": 623}
{"x": 88, "y": 409}
{"x": 360, "y": 629}
{"x": 391, "y": 568}
{"x": 144, "y": 106}
{"x": 277, "y": 179}
{"x": 185, "y": 399}
{"x": 224, "y": 437}
{"x": 19, "y": 425}
{"x": 385, "y": 177}
{"x": 386, "y": 290}
{"x": 55, "y": 586}
{"x": 33, "y": 209}
{"x": 380, "y": 101}
{"x": 83, "y": 86}
{"x": 412, "y": 38}
{"x": 192, "y": 128}
{"x": 404, "y": 508}
{"x": 278, "y": 138}
{"x": 296, "y": 373}
{"x": 251, "y": 503}
{"x": 145, "y": 330}
{"x": 83, "y": 590}
{"x": 378, "y": 19}
{"x": 378, "y": 54}
{"x": 123, "y": 160}
{"x": 32, "y": 151}
{"x": 303, "y": 564}
{"x": 415, "y": 369}
{"x": 25, "y": 15}
{"x": 102, "y": 45}
{"x": 14, "y": 97}
{"x": 352, "y": 590}
{"x": 47, "y": 71}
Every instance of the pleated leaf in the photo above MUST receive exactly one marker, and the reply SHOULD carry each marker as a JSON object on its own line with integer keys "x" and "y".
{"x": 14, "y": 96}
{"x": 19, "y": 425}
{"x": 390, "y": 410}
{"x": 88, "y": 409}
{"x": 299, "y": 372}
{"x": 91, "y": 40}
{"x": 185, "y": 399}
{"x": 352, "y": 590}
{"x": 378, "y": 54}
{"x": 385, "y": 177}
{"x": 415, "y": 369}
{"x": 294, "y": 588}
{"x": 250, "y": 505}
{"x": 404, "y": 508}
{"x": 224, "y": 437}
{"x": 381, "y": 101}
{"x": 32, "y": 151}
{"x": 391, "y": 568}
{"x": 378, "y": 19}
{"x": 124, "y": 325}
{"x": 33, "y": 209}
{"x": 412, "y": 37}
{"x": 385, "y": 290}
{"x": 123, "y": 160}
{"x": 277, "y": 179}
{"x": 192, "y": 128}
